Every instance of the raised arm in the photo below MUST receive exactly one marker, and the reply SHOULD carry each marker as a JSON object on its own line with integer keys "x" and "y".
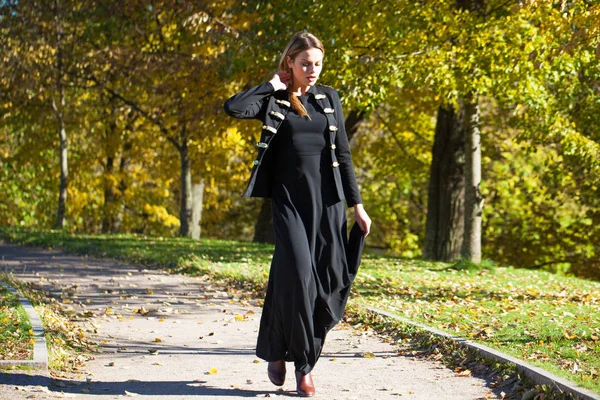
{"x": 251, "y": 103}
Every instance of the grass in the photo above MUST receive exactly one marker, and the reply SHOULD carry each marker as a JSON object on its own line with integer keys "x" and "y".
{"x": 547, "y": 320}
{"x": 67, "y": 343}
{"x": 16, "y": 336}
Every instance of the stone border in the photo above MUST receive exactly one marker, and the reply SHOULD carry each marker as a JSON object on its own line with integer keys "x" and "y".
{"x": 538, "y": 375}
{"x": 40, "y": 352}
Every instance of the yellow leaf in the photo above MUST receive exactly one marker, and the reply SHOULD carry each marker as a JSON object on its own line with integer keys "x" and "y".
{"x": 212, "y": 371}
{"x": 158, "y": 340}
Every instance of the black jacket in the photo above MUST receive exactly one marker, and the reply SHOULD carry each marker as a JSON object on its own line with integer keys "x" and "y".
{"x": 262, "y": 102}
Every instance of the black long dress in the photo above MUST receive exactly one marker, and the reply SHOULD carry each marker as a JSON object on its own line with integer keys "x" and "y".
{"x": 310, "y": 275}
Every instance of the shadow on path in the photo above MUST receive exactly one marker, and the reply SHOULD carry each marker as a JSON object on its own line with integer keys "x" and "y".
{"x": 149, "y": 388}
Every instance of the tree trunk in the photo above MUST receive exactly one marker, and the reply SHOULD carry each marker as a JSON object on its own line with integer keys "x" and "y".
{"x": 64, "y": 175}
{"x": 114, "y": 195}
{"x": 123, "y": 171}
{"x": 469, "y": 121}
{"x": 185, "y": 214}
{"x": 445, "y": 213}
{"x": 352, "y": 123}
{"x": 264, "y": 232}
{"x": 59, "y": 108}
{"x": 471, "y": 249}
{"x": 110, "y": 207}
{"x": 109, "y": 196}
{"x": 197, "y": 198}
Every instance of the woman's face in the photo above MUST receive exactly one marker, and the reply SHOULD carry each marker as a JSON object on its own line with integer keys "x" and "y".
{"x": 306, "y": 67}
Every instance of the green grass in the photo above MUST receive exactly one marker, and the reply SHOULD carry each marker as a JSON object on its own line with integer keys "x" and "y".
{"x": 66, "y": 340}
{"x": 547, "y": 320}
{"x": 15, "y": 330}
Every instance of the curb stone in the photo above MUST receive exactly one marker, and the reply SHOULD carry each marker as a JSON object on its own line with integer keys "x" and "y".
{"x": 40, "y": 351}
{"x": 538, "y": 375}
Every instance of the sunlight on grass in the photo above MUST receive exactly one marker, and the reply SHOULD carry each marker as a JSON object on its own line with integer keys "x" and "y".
{"x": 16, "y": 336}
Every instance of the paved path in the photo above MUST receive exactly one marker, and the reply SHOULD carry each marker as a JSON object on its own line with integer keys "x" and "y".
{"x": 197, "y": 341}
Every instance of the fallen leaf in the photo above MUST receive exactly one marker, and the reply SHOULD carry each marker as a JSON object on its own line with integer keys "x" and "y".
{"x": 212, "y": 371}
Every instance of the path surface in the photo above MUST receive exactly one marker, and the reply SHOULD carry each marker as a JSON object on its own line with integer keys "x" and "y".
{"x": 197, "y": 341}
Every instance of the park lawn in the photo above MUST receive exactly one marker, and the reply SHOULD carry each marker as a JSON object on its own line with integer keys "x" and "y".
{"x": 16, "y": 336}
{"x": 66, "y": 341}
{"x": 547, "y": 320}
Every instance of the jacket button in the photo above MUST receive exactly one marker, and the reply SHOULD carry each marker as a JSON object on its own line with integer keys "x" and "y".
{"x": 335, "y": 164}
{"x": 256, "y": 162}
{"x": 333, "y": 147}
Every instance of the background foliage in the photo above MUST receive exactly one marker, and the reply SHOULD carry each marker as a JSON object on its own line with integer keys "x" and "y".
{"x": 140, "y": 76}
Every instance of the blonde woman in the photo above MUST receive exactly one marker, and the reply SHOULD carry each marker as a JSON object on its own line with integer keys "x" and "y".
{"x": 304, "y": 164}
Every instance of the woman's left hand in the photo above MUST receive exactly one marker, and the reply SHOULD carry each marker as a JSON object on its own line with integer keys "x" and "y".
{"x": 362, "y": 218}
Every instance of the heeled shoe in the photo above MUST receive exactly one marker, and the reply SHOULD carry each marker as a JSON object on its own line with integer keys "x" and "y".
{"x": 276, "y": 372}
{"x": 304, "y": 384}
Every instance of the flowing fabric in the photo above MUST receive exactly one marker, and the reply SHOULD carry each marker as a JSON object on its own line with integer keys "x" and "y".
{"x": 314, "y": 263}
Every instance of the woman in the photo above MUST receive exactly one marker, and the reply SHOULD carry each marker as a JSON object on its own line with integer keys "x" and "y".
{"x": 304, "y": 164}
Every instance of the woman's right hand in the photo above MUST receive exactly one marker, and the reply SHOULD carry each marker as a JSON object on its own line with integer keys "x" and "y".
{"x": 281, "y": 80}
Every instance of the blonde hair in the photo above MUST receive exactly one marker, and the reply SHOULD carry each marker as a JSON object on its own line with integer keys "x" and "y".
{"x": 298, "y": 43}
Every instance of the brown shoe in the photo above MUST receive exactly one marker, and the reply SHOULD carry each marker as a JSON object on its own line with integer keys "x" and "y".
{"x": 276, "y": 372}
{"x": 304, "y": 384}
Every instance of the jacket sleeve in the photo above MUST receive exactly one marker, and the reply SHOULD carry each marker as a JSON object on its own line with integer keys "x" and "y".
{"x": 250, "y": 103}
{"x": 344, "y": 156}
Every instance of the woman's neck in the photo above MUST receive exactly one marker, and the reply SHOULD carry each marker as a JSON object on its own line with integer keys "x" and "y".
{"x": 299, "y": 90}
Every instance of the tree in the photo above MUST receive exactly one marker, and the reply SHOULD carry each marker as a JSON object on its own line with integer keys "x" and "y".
{"x": 444, "y": 228}
{"x": 49, "y": 34}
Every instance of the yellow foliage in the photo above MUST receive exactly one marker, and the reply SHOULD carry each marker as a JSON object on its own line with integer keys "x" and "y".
{"x": 160, "y": 215}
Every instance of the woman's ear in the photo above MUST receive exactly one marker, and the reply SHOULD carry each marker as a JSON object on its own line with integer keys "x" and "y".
{"x": 290, "y": 62}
